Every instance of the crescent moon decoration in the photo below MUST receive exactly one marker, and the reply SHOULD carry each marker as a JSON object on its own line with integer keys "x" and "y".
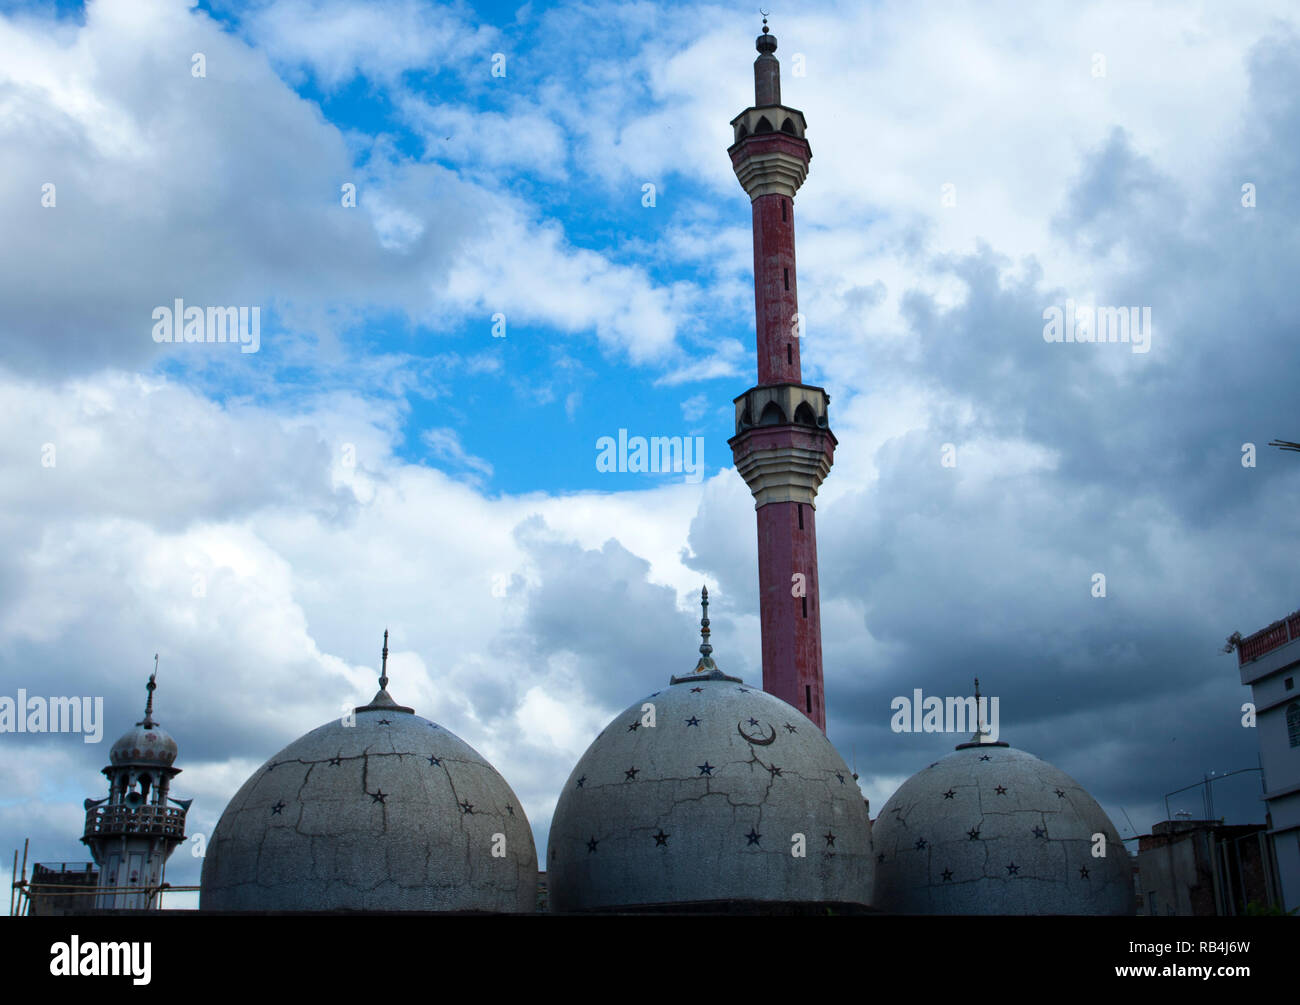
{"x": 756, "y": 740}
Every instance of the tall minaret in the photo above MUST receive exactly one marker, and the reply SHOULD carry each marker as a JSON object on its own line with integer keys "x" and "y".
{"x": 133, "y": 831}
{"x": 783, "y": 446}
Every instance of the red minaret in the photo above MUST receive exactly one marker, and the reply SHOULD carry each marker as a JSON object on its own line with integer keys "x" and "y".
{"x": 783, "y": 446}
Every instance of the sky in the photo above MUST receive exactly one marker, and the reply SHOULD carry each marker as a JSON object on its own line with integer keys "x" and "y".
{"x": 480, "y": 237}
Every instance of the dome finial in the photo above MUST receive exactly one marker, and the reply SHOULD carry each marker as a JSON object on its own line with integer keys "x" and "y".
{"x": 383, "y": 670}
{"x": 705, "y": 667}
{"x": 150, "y": 687}
{"x": 383, "y": 701}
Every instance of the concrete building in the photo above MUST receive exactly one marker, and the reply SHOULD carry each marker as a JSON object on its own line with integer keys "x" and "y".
{"x": 380, "y": 810}
{"x": 710, "y": 795}
{"x": 1204, "y": 867}
{"x": 783, "y": 446}
{"x": 133, "y": 831}
{"x": 1269, "y": 662}
{"x": 993, "y": 830}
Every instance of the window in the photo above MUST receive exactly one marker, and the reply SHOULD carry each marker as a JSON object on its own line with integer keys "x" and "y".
{"x": 783, "y": 211}
{"x": 1293, "y": 723}
{"x": 1290, "y": 683}
{"x": 801, "y": 516}
{"x": 787, "y": 279}
{"x": 804, "y": 601}
{"x": 807, "y": 698}
{"x": 789, "y": 353}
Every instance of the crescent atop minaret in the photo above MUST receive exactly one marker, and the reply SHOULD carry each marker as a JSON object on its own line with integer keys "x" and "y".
{"x": 756, "y": 741}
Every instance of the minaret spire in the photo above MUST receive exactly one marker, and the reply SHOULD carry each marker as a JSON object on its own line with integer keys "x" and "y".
{"x": 783, "y": 446}
{"x": 152, "y": 686}
{"x": 383, "y": 670}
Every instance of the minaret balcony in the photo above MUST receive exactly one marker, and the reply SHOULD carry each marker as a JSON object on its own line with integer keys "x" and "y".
{"x": 783, "y": 446}
{"x": 146, "y": 821}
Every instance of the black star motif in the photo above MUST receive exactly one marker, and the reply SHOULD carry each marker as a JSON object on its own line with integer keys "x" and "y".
{"x": 830, "y": 839}
{"x": 591, "y": 845}
{"x": 379, "y": 796}
{"x": 631, "y": 773}
{"x": 466, "y": 806}
{"x": 754, "y": 837}
{"x": 385, "y": 722}
{"x": 581, "y": 780}
{"x": 696, "y": 690}
{"x": 950, "y": 793}
{"x": 984, "y": 757}
{"x": 434, "y": 761}
{"x": 774, "y": 771}
{"x": 706, "y": 768}
{"x": 974, "y": 833}
{"x": 634, "y": 727}
{"x": 655, "y": 695}
{"x": 880, "y": 857}
{"x": 840, "y": 776}
{"x": 510, "y": 809}
{"x": 947, "y": 875}
{"x": 1001, "y": 790}
{"x": 270, "y": 767}
{"x": 743, "y": 690}
{"x": 692, "y": 721}
{"x": 753, "y": 722}
{"x": 920, "y": 844}
{"x": 1040, "y": 832}
{"x": 1083, "y": 872}
{"x": 790, "y": 729}
{"x": 1013, "y": 869}
{"x": 661, "y": 839}
{"x": 336, "y": 761}
{"x": 1060, "y": 794}
{"x": 433, "y": 725}
{"x": 275, "y": 810}
{"x": 929, "y": 766}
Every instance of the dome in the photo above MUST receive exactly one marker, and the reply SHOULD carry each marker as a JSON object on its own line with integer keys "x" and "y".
{"x": 146, "y": 743}
{"x": 380, "y": 811}
{"x": 699, "y": 794}
{"x": 993, "y": 830}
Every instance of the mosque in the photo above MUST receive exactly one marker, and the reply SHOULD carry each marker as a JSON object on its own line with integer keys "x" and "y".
{"x": 708, "y": 794}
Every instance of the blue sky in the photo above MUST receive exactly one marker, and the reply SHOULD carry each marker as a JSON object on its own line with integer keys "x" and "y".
{"x": 382, "y": 460}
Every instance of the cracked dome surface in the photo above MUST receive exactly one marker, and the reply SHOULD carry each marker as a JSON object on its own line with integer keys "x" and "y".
{"x": 393, "y": 813}
{"x": 993, "y": 830}
{"x": 704, "y": 806}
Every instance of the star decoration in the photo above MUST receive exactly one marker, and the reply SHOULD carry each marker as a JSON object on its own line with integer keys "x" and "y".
{"x": 385, "y": 722}
{"x": 270, "y": 767}
{"x": 706, "y": 768}
{"x": 947, "y": 875}
{"x": 754, "y": 837}
{"x": 591, "y": 845}
{"x": 880, "y": 857}
{"x": 581, "y": 780}
{"x": 1001, "y": 790}
{"x": 920, "y": 844}
{"x": 950, "y": 793}
{"x": 692, "y": 721}
{"x": 743, "y": 690}
{"x": 790, "y": 729}
{"x": 974, "y": 833}
{"x": 336, "y": 761}
{"x": 984, "y": 757}
{"x": 929, "y": 766}
{"x": 661, "y": 839}
{"x": 1083, "y": 872}
{"x": 275, "y": 810}
{"x": 434, "y": 760}
{"x": 379, "y": 796}
{"x": 840, "y": 776}
{"x": 773, "y": 770}
{"x": 631, "y": 773}
{"x": 753, "y": 722}
{"x": 1013, "y": 869}
{"x": 830, "y": 839}
{"x": 1040, "y": 832}
{"x": 634, "y": 727}
{"x": 1060, "y": 794}
{"x": 510, "y": 809}
{"x": 466, "y": 806}
{"x": 655, "y": 695}
{"x": 433, "y": 725}
{"x": 696, "y": 690}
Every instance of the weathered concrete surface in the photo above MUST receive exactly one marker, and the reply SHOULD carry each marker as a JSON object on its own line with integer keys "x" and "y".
{"x": 392, "y": 814}
{"x": 688, "y": 810}
{"x": 994, "y": 830}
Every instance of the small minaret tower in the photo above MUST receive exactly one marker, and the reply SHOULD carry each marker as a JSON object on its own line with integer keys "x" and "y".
{"x": 133, "y": 832}
{"x": 783, "y": 446}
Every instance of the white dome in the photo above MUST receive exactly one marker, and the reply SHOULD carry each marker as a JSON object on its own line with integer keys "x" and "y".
{"x": 392, "y": 813}
{"x": 994, "y": 830}
{"x": 704, "y": 806}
